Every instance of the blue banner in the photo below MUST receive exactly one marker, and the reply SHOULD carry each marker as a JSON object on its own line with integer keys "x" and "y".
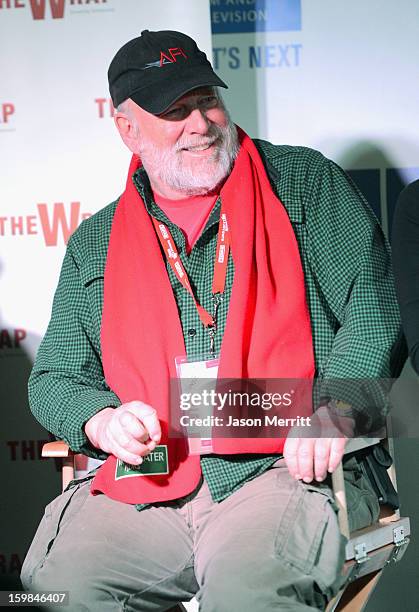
{"x": 233, "y": 16}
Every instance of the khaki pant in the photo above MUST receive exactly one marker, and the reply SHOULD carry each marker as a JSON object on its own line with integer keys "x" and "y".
{"x": 272, "y": 545}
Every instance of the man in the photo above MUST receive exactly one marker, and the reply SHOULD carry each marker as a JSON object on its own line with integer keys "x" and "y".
{"x": 301, "y": 284}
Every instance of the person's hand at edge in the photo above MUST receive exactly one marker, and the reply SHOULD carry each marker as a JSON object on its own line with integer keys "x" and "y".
{"x": 312, "y": 458}
{"x": 129, "y": 432}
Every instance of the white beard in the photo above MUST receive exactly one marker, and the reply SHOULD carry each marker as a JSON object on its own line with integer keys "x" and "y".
{"x": 198, "y": 177}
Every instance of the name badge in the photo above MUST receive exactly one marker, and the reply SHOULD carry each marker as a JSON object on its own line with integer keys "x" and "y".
{"x": 155, "y": 463}
{"x": 193, "y": 376}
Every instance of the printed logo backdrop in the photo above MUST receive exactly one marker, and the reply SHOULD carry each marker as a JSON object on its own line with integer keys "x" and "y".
{"x": 61, "y": 160}
{"x": 42, "y": 10}
{"x": 230, "y": 16}
{"x": 314, "y": 73}
{"x": 340, "y": 77}
{"x": 306, "y": 72}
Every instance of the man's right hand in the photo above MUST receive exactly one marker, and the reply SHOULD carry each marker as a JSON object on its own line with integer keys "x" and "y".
{"x": 129, "y": 432}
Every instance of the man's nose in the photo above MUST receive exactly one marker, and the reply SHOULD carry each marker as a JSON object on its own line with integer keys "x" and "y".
{"x": 197, "y": 122}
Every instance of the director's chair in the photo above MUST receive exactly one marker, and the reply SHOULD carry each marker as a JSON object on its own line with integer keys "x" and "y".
{"x": 368, "y": 551}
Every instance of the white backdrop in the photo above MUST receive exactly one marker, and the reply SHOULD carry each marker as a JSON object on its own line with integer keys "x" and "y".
{"x": 337, "y": 76}
{"x": 60, "y": 158}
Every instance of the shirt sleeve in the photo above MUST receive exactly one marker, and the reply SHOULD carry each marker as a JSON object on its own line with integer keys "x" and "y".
{"x": 351, "y": 258}
{"x": 67, "y": 384}
{"x": 405, "y": 243}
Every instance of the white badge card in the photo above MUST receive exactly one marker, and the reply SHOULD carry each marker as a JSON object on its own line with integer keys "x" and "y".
{"x": 197, "y": 381}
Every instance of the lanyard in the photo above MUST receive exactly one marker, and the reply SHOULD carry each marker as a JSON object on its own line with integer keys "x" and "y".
{"x": 220, "y": 269}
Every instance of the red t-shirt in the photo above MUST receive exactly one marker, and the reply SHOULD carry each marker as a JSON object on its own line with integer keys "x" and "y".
{"x": 190, "y": 214}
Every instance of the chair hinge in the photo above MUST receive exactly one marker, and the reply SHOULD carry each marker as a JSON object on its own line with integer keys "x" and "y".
{"x": 398, "y": 535}
{"x": 401, "y": 542}
{"x": 361, "y": 552}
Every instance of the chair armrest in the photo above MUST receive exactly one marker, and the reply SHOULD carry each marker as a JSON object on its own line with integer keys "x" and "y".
{"x": 61, "y": 450}
{"x": 57, "y": 449}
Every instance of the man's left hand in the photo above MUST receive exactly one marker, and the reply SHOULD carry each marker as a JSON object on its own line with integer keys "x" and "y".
{"x": 311, "y": 458}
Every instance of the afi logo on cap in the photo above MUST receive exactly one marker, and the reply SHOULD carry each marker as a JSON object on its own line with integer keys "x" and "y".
{"x": 167, "y": 58}
{"x": 174, "y": 52}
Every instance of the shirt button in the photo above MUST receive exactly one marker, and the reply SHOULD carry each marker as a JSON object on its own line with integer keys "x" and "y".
{"x": 192, "y": 332}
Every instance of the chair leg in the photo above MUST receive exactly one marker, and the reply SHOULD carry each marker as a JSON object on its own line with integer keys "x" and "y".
{"x": 357, "y": 593}
{"x": 67, "y": 471}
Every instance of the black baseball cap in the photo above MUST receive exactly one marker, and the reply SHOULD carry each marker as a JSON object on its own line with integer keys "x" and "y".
{"x": 157, "y": 68}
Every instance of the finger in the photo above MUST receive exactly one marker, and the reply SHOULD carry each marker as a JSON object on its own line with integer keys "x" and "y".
{"x": 148, "y": 416}
{"x": 290, "y": 456}
{"x": 126, "y": 456}
{"x": 337, "y": 450}
{"x": 120, "y": 438}
{"x": 305, "y": 457}
{"x": 132, "y": 426}
{"x": 321, "y": 458}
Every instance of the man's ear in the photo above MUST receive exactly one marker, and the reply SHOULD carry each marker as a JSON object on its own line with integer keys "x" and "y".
{"x": 127, "y": 131}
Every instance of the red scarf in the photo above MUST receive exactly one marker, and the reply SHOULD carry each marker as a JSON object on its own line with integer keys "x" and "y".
{"x": 267, "y": 332}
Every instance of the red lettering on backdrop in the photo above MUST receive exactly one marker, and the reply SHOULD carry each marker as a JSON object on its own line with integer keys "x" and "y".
{"x": 101, "y": 105}
{"x": 19, "y": 226}
{"x": 5, "y": 339}
{"x": 16, "y": 225}
{"x": 11, "y": 340}
{"x": 59, "y": 219}
{"x": 26, "y": 449}
{"x": 7, "y": 109}
{"x": 38, "y": 8}
{"x": 13, "y": 444}
{"x": 20, "y": 334}
{"x": 7, "y": 4}
{"x": 31, "y": 225}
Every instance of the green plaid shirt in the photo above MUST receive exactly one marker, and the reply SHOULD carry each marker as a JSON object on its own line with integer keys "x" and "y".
{"x": 349, "y": 285}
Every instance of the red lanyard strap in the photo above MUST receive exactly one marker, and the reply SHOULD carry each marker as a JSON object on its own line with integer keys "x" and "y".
{"x": 220, "y": 264}
{"x": 221, "y": 256}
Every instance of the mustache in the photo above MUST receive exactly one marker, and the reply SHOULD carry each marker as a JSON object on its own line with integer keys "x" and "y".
{"x": 200, "y": 142}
